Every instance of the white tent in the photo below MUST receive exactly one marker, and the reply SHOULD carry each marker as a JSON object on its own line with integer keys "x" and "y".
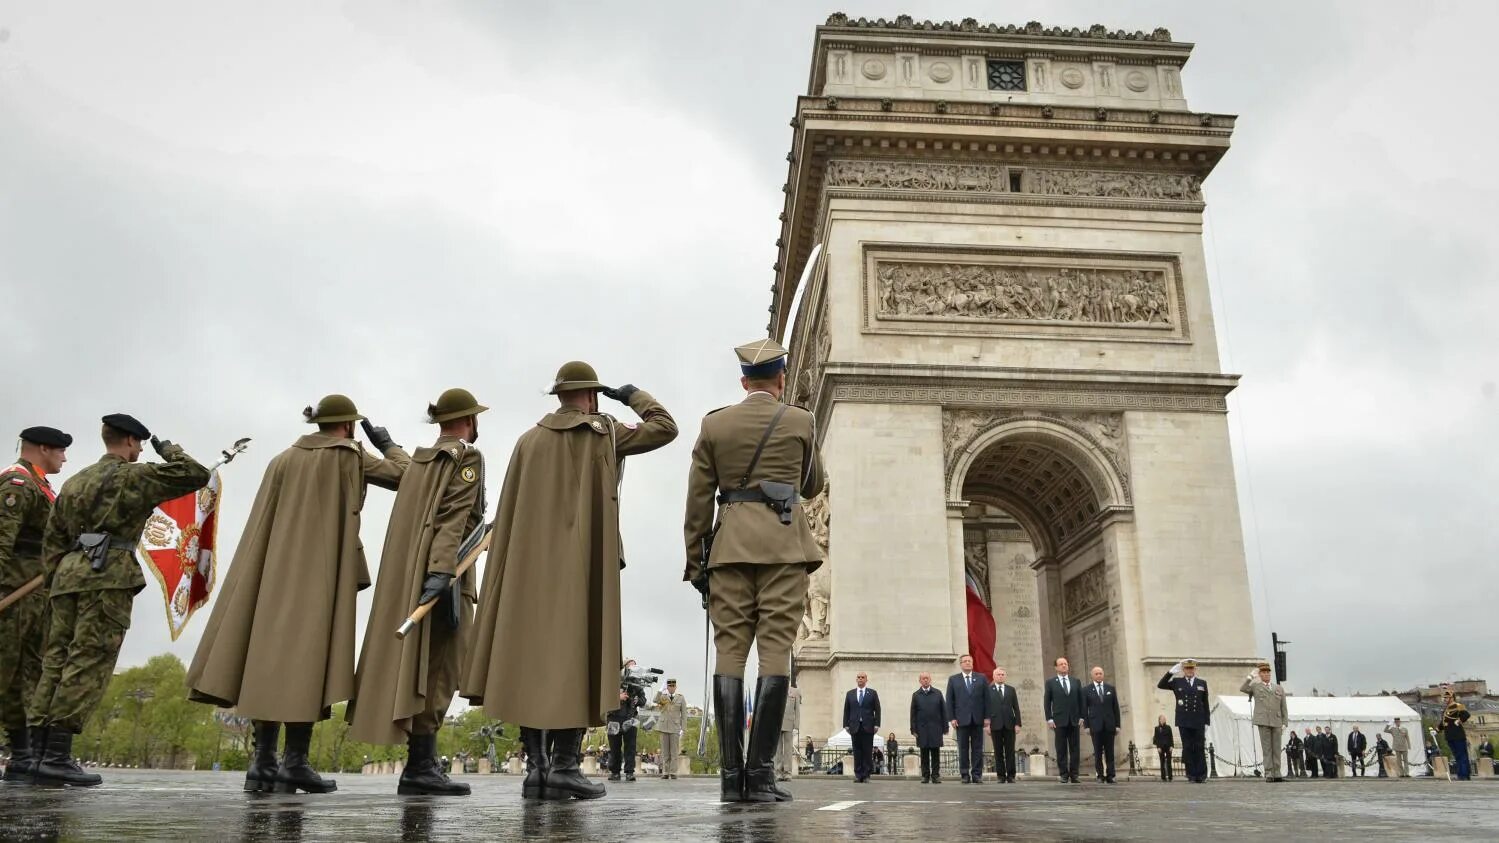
{"x": 1237, "y": 744}
{"x": 843, "y": 741}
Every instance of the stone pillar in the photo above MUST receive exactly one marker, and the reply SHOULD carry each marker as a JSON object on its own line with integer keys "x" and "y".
{"x": 911, "y": 764}
{"x": 684, "y": 766}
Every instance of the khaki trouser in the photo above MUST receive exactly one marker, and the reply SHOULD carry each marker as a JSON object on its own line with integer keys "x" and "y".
{"x": 785, "y": 754}
{"x": 756, "y": 603}
{"x": 1270, "y": 750}
{"x": 671, "y": 749}
{"x": 1401, "y": 770}
{"x": 444, "y": 647}
{"x": 84, "y": 634}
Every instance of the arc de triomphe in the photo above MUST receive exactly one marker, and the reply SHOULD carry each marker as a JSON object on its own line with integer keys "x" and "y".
{"x": 1009, "y": 346}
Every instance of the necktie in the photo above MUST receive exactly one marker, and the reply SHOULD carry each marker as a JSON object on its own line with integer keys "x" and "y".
{"x": 861, "y": 696}
{"x": 1065, "y": 689}
{"x": 1100, "y": 691}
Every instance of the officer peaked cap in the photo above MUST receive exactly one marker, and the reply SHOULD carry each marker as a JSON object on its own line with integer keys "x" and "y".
{"x": 49, "y": 436}
{"x": 761, "y": 358}
{"x": 127, "y": 425}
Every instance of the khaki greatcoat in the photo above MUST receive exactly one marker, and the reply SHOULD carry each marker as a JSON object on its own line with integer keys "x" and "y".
{"x": 439, "y": 502}
{"x": 546, "y": 648}
{"x": 279, "y": 644}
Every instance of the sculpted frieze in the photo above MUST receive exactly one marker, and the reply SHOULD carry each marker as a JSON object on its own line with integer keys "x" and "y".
{"x": 916, "y": 175}
{"x": 1023, "y": 293}
{"x": 1113, "y": 184}
{"x": 1085, "y": 593}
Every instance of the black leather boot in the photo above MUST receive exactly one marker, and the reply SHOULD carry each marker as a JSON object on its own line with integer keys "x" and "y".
{"x": 18, "y": 768}
{"x": 765, "y": 734}
{"x": 538, "y": 763}
{"x": 261, "y": 775}
{"x": 423, "y": 775}
{"x": 295, "y": 773}
{"x": 565, "y": 778}
{"x": 728, "y": 714}
{"x": 55, "y": 764}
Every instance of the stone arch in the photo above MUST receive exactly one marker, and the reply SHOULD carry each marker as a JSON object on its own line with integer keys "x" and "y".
{"x": 1053, "y": 478}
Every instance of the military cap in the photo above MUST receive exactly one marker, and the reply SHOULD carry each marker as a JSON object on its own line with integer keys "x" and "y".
{"x": 454, "y": 404}
{"x": 671, "y": 681}
{"x": 1263, "y": 665}
{"x": 1189, "y": 662}
{"x": 127, "y": 425}
{"x": 761, "y": 358}
{"x": 332, "y": 409}
{"x": 49, "y": 436}
{"x": 573, "y": 375}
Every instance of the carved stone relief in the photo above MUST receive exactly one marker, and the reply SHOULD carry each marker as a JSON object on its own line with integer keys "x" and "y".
{"x": 1026, "y": 293}
{"x": 815, "y": 626}
{"x": 976, "y": 564}
{"x": 1113, "y": 184}
{"x": 915, "y": 175}
{"x": 1085, "y": 593}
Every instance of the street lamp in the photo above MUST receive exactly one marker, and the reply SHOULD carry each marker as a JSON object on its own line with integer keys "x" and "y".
{"x": 140, "y": 695}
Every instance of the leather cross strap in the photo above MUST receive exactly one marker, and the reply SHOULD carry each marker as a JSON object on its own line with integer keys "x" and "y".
{"x": 765, "y": 437}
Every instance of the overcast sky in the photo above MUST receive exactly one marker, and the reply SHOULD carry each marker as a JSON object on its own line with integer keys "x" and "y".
{"x": 210, "y": 217}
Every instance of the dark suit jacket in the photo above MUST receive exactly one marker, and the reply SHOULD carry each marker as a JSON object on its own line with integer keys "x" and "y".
{"x": 1163, "y": 738}
{"x": 965, "y": 701}
{"x": 1063, "y": 709}
{"x": 1003, "y": 713}
{"x": 864, "y": 717}
{"x": 928, "y": 717}
{"x": 1101, "y": 714}
{"x": 1357, "y": 742}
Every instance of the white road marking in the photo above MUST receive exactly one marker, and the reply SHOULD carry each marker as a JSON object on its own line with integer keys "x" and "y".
{"x": 841, "y": 806}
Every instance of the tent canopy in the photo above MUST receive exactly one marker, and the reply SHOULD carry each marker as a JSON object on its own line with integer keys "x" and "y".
{"x": 1237, "y": 745}
{"x": 842, "y": 740}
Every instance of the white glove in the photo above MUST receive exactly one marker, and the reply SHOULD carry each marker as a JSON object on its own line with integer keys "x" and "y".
{"x": 1176, "y": 668}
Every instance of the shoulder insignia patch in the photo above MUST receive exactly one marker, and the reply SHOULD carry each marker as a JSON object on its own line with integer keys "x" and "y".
{"x": 468, "y": 474}
{"x": 10, "y": 499}
{"x": 453, "y": 450}
{"x": 630, "y": 425}
{"x": 597, "y": 425}
{"x": 16, "y": 481}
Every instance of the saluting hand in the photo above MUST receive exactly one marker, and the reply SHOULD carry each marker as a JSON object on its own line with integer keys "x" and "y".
{"x": 160, "y": 445}
{"x": 620, "y": 393}
{"x": 379, "y": 436}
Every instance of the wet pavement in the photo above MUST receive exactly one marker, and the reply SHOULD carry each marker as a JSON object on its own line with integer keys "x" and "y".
{"x": 162, "y": 805}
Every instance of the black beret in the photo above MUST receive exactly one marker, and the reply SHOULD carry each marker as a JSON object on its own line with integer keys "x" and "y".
{"x": 42, "y": 435}
{"x": 128, "y": 425}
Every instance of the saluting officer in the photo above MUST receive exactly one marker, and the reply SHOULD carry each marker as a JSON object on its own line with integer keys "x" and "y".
{"x": 25, "y": 502}
{"x": 403, "y": 687}
{"x": 89, "y": 549}
{"x": 1192, "y": 716}
{"x": 759, "y": 460}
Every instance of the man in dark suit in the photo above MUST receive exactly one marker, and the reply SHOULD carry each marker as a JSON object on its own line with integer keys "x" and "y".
{"x": 1329, "y": 753}
{"x": 1101, "y": 713}
{"x": 1309, "y": 750}
{"x": 966, "y": 693}
{"x": 861, "y": 717}
{"x": 1357, "y": 745}
{"x": 1192, "y": 716}
{"x": 1003, "y": 707}
{"x": 929, "y": 724}
{"x": 1063, "y": 705}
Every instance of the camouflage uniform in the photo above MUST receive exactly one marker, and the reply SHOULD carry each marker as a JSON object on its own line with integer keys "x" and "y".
{"x": 90, "y": 611}
{"x": 25, "y": 501}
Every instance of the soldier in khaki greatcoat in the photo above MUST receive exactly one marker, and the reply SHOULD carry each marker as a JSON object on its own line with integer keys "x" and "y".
{"x": 758, "y": 461}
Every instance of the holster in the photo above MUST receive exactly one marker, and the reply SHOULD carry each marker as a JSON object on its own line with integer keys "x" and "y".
{"x": 781, "y": 497}
{"x": 96, "y": 547}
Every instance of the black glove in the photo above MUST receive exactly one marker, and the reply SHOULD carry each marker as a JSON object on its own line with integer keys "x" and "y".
{"x": 160, "y": 445}
{"x": 700, "y": 582}
{"x": 440, "y": 586}
{"x": 379, "y": 436}
{"x": 620, "y": 393}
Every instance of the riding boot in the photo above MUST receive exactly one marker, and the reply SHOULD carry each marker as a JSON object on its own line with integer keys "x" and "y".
{"x": 537, "y": 765}
{"x": 565, "y": 778}
{"x": 261, "y": 776}
{"x": 295, "y": 773}
{"x": 18, "y": 768}
{"x": 55, "y": 764}
{"x": 728, "y": 710}
{"x": 422, "y": 775}
{"x": 765, "y": 734}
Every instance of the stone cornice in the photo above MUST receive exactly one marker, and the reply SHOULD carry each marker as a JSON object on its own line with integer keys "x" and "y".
{"x": 998, "y": 386}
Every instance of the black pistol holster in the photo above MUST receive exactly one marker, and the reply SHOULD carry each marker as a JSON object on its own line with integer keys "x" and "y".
{"x": 97, "y": 546}
{"x": 780, "y": 497}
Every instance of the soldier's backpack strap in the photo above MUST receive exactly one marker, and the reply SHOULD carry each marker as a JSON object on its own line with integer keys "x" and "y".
{"x": 760, "y": 448}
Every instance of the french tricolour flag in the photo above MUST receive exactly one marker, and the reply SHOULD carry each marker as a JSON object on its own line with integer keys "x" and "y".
{"x": 981, "y": 632}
